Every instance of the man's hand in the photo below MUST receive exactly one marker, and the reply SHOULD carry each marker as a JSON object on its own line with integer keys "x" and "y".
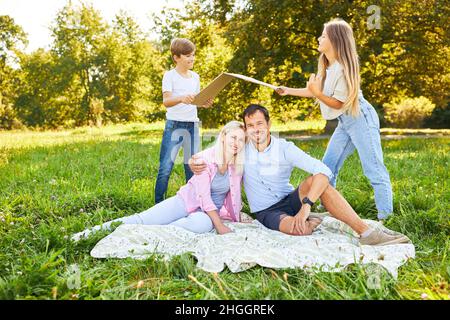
{"x": 300, "y": 218}
{"x": 197, "y": 164}
{"x": 314, "y": 84}
{"x": 208, "y": 103}
{"x": 188, "y": 99}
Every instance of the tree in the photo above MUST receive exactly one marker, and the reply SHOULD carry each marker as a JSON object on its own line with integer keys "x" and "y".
{"x": 95, "y": 72}
{"x": 131, "y": 71}
{"x": 12, "y": 37}
{"x": 408, "y": 54}
{"x": 78, "y": 36}
{"x": 35, "y": 104}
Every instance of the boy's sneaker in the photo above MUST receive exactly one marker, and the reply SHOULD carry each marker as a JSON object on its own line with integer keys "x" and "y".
{"x": 381, "y": 238}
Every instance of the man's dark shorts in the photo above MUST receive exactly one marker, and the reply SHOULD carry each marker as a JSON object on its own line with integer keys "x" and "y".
{"x": 289, "y": 205}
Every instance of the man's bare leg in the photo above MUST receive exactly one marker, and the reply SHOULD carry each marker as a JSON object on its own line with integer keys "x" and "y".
{"x": 340, "y": 209}
{"x": 336, "y": 205}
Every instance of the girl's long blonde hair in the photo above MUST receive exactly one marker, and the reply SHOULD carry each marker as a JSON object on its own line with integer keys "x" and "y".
{"x": 238, "y": 159}
{"x": 341, "y": 37}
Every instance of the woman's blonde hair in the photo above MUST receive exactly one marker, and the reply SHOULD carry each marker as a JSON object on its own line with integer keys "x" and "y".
{"x": 238, "y": 159}
{"x": 341, "y": 37}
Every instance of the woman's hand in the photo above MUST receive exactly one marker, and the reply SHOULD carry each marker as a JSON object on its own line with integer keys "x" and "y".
{"x": 282, "y": 91}
{"x": 314, "y": 84}
{"x": 222, "y": 229}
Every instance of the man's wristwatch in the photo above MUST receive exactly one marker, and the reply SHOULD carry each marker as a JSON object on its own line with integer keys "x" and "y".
{"x": 306, "y": 200}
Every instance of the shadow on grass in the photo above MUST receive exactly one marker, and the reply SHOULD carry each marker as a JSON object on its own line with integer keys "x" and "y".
{"x": 309, "y": 132}
{"x": 141, "y": 133}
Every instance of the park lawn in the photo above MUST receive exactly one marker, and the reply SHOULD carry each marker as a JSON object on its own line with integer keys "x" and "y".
{"x": 56, "y": 183}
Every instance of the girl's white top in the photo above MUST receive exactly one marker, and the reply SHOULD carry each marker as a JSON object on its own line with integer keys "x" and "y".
{"x": 335, "y": 86}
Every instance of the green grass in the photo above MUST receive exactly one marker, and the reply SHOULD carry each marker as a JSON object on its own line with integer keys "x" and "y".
{"x": 53, "y": 184}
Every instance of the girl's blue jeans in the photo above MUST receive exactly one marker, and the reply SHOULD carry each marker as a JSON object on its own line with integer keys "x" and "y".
{"x": 363, "y": 134}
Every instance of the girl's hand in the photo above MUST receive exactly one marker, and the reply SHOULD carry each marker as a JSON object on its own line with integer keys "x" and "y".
{"x": 222, "y": 229}
{"x": 314, "y": 84}
{"x": 282, "y": 91}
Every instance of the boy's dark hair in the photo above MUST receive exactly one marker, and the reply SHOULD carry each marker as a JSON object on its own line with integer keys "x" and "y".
{"x": 251, "y": 109}
{"x": 181, "y": 46}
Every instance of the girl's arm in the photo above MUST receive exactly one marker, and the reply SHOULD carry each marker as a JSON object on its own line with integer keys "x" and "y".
{"x": 329, "y": 101}
{"x": 299, "y": 92}
{"x": 217, "y": 222}
{"x": 314, "y": 85}
{"x": 312, "y": 90}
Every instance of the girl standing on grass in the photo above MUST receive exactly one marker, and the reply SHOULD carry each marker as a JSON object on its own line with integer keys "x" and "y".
{"x": 337, "y": 89}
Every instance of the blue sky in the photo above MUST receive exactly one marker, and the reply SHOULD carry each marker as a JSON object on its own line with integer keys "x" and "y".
{"x": 36, "y": 16}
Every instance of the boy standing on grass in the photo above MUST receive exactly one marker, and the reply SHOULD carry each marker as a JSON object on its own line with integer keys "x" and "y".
{"x": 179, "y": 86}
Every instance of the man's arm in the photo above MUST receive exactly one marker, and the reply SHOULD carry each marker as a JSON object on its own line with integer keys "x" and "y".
{"x": 320, "y": 180}
{"x": 300, "y": 159}
{"x": 197, "y": 164}
{"x": 319, "y": 183}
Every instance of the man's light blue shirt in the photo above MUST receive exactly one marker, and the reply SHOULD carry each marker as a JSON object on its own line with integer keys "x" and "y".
{"x": 267, "y": 173}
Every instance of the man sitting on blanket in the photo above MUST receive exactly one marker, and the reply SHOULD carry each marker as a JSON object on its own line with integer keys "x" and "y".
{"x": 269, "y": 162}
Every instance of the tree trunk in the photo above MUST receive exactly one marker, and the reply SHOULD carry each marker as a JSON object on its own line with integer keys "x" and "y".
{"x": 330, "y": 126}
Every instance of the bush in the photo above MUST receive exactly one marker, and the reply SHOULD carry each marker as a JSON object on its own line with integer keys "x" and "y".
{"x": 440, "y": 119}
{"x": 8, "y": 118}
{"x": 153, "y": 113}
{"x": 405, "y": 112}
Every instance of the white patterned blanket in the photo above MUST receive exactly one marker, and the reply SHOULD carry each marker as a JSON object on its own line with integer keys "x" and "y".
{"x": 330, "y": 248}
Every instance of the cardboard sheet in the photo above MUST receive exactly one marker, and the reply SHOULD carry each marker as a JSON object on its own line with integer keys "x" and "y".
{"x": 220, "y": 82}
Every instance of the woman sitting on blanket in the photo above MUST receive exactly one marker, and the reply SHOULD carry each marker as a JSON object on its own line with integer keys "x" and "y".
{"x": 207, "y": 199}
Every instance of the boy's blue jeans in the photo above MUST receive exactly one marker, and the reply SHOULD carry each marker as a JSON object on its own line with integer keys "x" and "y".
{"x": 176, "y": 134}
{"x": 363, "y": 134}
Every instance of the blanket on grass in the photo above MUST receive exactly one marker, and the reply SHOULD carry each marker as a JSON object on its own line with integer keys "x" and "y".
{"x": 331, "y": 247}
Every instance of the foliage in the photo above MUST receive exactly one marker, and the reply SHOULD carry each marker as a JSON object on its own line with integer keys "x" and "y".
{"x": 12, "y": 37}
{"x": 115, "y": 65}
{"x": 94, "y": 73}
{"x": 408, "y": 112}
{"x": 399, "y": 58}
